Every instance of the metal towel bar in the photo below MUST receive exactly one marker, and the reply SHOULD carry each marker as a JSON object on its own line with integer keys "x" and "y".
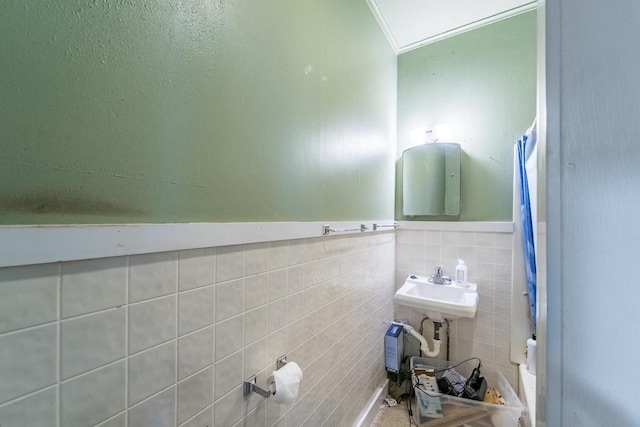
{"x": 326, "y": 229}
{"x": 377, "y": 226}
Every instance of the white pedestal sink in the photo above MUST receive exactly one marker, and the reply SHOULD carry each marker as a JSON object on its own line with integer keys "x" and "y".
{"x": 439, "y": 302}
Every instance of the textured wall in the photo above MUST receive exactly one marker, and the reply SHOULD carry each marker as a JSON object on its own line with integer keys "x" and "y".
{"x": 483, "y": 83}
{"x": 180, "y": 111}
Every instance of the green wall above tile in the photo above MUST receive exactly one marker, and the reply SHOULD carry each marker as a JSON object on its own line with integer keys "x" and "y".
{"x": 483, "y": 84}
{"x": 188, "y": 111}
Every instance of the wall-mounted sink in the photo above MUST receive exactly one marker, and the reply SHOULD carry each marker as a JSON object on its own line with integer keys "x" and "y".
{"x": 438, "y": 301}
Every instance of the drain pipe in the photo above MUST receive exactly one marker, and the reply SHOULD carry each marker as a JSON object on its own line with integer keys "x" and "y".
{"x": 424, "y": 346}
{"x": 448, "y": 338}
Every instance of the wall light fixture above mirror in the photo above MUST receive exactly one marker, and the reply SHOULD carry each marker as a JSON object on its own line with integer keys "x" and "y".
{"x": 435, "y": 133}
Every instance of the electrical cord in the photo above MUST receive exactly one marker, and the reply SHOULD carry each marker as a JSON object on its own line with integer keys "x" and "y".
{"x": 464, "y": 361}
{"x": 411, "y": 392}
{"x": 420, "y": 387}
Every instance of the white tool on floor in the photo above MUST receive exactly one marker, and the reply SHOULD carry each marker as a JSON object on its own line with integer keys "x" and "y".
{"x": 391, "y": 401}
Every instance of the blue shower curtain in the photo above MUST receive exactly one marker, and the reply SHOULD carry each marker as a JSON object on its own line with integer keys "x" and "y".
{"x": 525, "y": 146}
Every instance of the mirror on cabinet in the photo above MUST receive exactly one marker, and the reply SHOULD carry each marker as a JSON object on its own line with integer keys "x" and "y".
{"x": 431, "y": 180}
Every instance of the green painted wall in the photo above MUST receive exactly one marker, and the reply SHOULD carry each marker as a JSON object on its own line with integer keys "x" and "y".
{"x": 194, "y": 110}
{"x": 483, "y": 83}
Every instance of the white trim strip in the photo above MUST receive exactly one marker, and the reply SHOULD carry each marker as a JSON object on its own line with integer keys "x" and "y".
{"x": 25, "y": 245}
{"x": 464, "y": 28}
{"x": 454, "y": 32}
{"x": 369, "y": 413}
{"x": 383, "y": 25}
{"x": 481, "y": 227}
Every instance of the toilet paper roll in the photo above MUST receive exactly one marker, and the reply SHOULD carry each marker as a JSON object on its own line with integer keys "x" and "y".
{"x": 287, "y": 381}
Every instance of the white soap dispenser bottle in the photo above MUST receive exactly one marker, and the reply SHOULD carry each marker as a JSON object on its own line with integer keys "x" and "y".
{"x": 462, "y": 274}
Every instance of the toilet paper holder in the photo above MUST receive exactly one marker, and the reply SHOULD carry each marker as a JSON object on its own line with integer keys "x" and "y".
{"x": 251, "y": 385}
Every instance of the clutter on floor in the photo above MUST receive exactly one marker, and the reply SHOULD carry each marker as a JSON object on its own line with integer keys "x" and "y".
{"x": 433, "y": 393}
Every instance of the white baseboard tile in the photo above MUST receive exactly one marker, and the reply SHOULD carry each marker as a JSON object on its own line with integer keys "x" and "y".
{"x": 369, "y": 413}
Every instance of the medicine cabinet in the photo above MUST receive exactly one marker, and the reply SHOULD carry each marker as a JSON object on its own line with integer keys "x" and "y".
{"x": 431, "y": 180}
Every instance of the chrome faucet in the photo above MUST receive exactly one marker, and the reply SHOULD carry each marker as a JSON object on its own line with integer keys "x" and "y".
{"x": 438, "y": 278}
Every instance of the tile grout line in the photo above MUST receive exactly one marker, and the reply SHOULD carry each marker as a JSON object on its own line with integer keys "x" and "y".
{"x": 244, "y": 275}
{"x": 215, "y": 336}
{"x": 188, "y": 334}
{"x": 143, "y": 401}
{"x": 112, "y": 417}
{"x": 364, "y": 283}
{"x": 177, "y": 311}
{"x": 101, "y": 311}
{"x": 208, "y": 407}
{"x": 286, "y": 327}
{"x": 91, "y": 371}
{"x": 334, "y": 344}
{"x": 126, "y": 340}
{"x": 29, "y": 328}
{"x": 199, "y": 371}
{"x": 59, "y": 347}
{"x": 27, "y": 395}
{"x": 334, "y": 388}
{"x": 153, "y": 347}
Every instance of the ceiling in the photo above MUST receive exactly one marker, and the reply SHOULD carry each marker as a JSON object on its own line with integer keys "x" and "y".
{"x": 409, "y": 24}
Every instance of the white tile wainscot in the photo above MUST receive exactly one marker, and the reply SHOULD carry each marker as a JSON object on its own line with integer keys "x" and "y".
{"x": 487, "y": 249}
{"x": 167, "y": 337}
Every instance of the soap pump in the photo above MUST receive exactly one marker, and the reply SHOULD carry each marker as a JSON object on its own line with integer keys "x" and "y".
{"x": 462, "y": 274}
